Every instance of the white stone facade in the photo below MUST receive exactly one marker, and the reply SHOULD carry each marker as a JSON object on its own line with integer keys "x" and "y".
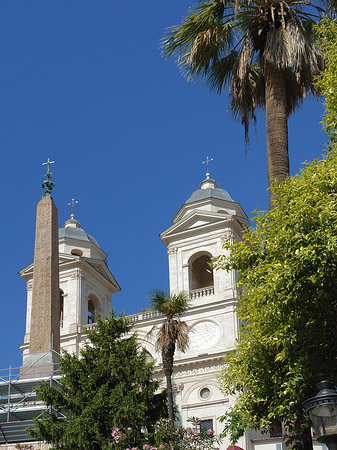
{"x": 86, "y": 284}
{"x": 196, "y": 236}
{"x": 199, "y": 228}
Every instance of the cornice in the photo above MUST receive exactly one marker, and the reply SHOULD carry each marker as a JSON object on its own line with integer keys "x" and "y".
{"x": 219, "y": 226}
{"x": 27, "y": 272}
{"x": 221, "y": 203}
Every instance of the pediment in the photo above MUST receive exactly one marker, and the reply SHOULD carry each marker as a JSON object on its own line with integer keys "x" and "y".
{"x": 103, "y": 270}
{"x": 97, "y": 265}
{"x": 195, "y": 221}
{"x": 28, "y": 270}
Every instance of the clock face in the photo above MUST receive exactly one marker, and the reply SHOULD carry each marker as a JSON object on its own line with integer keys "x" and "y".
{"x": 204, "y": 335}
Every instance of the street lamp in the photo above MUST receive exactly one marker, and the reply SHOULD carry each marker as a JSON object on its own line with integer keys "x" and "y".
{"x": 322, "y": 410}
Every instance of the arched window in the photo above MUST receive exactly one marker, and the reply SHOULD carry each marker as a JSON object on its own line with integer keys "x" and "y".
{"x": 93, "y": 305}
{"x": 201, "y": 273}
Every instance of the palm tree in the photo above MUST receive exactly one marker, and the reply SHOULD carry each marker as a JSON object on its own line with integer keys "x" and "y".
{"x": 172, "y": 334}
{"x": 264, "y": 50}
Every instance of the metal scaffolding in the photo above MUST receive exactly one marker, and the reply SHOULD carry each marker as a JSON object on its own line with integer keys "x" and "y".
{"x": 19, "y": 405}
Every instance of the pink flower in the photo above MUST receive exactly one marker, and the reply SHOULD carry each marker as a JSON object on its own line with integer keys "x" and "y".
{"x": 209, "y": 432}
{"x": 146, "y": 446}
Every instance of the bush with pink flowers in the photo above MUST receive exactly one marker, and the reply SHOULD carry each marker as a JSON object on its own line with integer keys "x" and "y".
{"x": 167, "y": 436}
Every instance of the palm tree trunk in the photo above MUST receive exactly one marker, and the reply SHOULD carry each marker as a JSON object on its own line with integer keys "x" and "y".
{"x": 277, "y": 127}
{"x": 167, "y": 356}
{"x": 168, "y": 375}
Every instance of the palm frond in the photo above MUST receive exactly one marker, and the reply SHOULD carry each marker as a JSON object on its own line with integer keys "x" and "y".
{"x": 221, "y": 71}
{"x": 201, "y": 18}
{"x": 172, "y": 333}
{"x": 159, "y": 300}
{"x": 169, "y": 305}
{"x": 227, "y": 41}
{"x": 182, "y": 339}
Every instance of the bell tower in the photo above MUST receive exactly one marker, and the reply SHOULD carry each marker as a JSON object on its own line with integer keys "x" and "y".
{"x": 196, "y": 236}
{"x": 199, "y": 228}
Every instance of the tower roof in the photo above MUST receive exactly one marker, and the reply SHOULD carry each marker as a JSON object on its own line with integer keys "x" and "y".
{"x": 72, "y": 229}
{"x": 209, "y": 189}
{"x": 209, "y": 198}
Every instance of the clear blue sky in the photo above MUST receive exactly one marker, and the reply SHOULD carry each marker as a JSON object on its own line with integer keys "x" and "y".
{"x": 84, "y": 83}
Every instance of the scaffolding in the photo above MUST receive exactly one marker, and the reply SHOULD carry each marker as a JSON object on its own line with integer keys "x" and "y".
{"x": 19, "y": 405}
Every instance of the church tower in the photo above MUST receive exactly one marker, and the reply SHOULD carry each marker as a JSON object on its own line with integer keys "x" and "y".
{"x": 84, "y": 287}
{"x": 199, "y": 228}
{"x": 196, "y": 236}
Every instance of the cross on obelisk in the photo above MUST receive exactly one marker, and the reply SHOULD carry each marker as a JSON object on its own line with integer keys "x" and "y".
{"x": 72, "y": 203}
{"x": 47, "y": 184}
{"x": 48, "y": 164}
{"x": 208, "y": 160}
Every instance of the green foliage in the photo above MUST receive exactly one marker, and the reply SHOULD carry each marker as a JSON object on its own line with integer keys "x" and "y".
{"x": 168, "y": 436}
{"x": 327, "y": 30}
{"x": 108, "y": 385}
{"x": 169, "y": 305}
{"x": 227, "y": 43}
{"x": 287, "y": 267}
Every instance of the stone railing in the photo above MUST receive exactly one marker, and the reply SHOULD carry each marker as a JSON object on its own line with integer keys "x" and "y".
{"x": 203, "y": 292}
{"x": 88, "y": 326}
{"x": 144, "y": 315}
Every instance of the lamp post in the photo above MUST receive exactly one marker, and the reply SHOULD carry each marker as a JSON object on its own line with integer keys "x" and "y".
{"x": 322, "y": 410}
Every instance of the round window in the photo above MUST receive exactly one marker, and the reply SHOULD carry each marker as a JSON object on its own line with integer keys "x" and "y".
{"x": 205, "y": 393}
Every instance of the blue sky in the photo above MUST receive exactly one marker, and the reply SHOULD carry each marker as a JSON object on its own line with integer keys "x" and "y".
{"x": 84, "y": 83}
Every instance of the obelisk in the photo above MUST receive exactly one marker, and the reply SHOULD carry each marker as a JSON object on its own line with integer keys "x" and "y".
{"x": 44, "y": 340}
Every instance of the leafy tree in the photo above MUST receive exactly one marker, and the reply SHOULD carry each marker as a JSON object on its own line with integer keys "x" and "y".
{"x": 264, "y": 50}
{"x": 287, "y": 273}
{"x": 287, "y": 266}
{"x": 109, "y": 385}
{"x": 172, "y": 333}
{"x": 327, "y": 82}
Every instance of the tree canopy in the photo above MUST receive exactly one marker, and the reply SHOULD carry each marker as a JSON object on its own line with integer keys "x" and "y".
{"x": 287, "y": 267}
{"x": 264, "y": 51}
{"x": 108, "y": 385}
{"x": 327, "y": 81}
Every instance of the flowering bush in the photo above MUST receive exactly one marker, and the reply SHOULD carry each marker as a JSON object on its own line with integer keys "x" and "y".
{"x": 25, "y": 446}
{"x": 167, "y": 436}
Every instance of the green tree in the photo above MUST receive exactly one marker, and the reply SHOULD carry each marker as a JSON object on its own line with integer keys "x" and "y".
{"x": 287, "y": 273}
{"x": 287, "y": 266}
{"x": 264, "y": 50}
{"x": 109, "y": 385}
{"x": 172, "y": 334}
{"x": 327, "y": 82}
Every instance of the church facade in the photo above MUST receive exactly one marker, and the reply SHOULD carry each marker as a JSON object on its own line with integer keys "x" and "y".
{"x": 199, "y": 228}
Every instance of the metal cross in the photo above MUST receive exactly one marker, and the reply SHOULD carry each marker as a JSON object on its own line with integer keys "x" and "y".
{"x": 208, "y": 160}
{"x": 48, "y": 164}
{"x": 72, "y": 203}
{"x": 47, "y": 184}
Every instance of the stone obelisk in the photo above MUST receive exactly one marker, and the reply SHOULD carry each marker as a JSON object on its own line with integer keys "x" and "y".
{"x": 44, "y": 341}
